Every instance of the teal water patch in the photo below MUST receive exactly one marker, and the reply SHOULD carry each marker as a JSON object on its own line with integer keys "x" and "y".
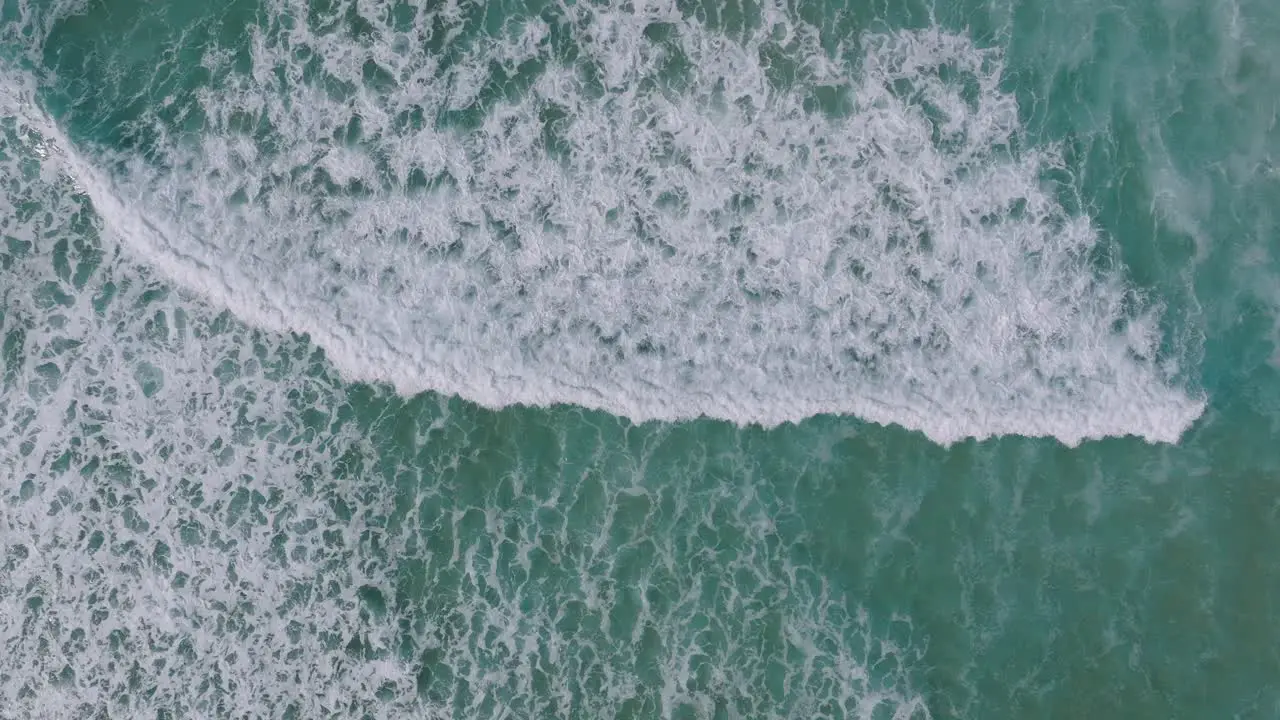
{"x": 203, "y": 517}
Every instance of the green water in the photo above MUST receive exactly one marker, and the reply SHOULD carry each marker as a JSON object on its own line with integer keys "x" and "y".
{"x": 204, "y": 514}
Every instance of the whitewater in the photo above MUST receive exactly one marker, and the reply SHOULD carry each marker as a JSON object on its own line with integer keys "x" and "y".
{"x": 658, "y": 224}
{"x": 639, "y": 358}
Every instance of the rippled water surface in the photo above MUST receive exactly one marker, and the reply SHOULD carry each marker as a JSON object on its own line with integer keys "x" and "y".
{"x": 391, "y": 358}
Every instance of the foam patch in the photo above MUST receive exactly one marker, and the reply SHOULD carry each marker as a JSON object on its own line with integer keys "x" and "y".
{"x": 637, "y": 211}
{"x": 201, "y": 519}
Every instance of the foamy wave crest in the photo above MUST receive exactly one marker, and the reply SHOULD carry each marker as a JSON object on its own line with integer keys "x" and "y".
{"x": 632, "y": 208}
{"x": 196, "y": 523}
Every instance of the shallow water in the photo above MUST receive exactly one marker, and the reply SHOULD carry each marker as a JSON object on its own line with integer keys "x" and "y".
{"x": 690, "y": 360}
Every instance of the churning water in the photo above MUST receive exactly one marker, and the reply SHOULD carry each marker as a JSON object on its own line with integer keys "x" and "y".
{"x": 391, "y": 358}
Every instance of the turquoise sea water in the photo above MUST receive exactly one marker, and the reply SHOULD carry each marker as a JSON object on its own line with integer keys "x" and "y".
{"x": 391, "y": 358}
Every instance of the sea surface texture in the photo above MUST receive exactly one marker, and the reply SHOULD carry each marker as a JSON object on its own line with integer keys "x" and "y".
{"x": 737, "y": 359}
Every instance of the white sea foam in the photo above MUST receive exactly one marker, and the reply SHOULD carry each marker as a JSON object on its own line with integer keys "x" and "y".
{"x": 675, "y": 223}
{"x": 131, "y": 430}
{"x": 196, "y": 523}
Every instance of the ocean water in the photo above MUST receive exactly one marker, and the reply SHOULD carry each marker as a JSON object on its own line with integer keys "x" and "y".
{"x": 639, "y": 359}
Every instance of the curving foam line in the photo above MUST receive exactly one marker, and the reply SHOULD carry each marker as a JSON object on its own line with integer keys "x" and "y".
{"x": 201, "y": 520}
{"x": 665, "y": 226}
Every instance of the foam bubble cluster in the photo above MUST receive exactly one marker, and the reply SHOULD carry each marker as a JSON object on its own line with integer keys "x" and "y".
{"x": 634, "y": 208}
{"x": 200, "y": 520}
